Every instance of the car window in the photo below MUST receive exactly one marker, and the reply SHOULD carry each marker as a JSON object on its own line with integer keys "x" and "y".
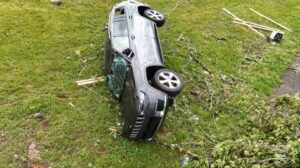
{"x": 121, "y": 43}
{"x": 119, "y": 12}
{"x": 118, "y": 76}
{"x": 120, "y": 27}
{"x": 120, "y": 34}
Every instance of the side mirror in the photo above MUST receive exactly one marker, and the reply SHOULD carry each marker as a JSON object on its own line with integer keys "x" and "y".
{"x": 128, "y": 52}
{"x": 126, "y": 57}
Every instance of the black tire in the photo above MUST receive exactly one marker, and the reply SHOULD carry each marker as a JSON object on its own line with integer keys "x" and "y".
{"x": 155, "y": 16}
{"x": 167, "y": 81}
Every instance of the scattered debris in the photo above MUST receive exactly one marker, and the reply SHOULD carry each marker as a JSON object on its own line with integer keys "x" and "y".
{"x": 185, "y": 161}
{"x": 97, "y": 142}
{"x": 1, "y": 134}
{"x": 90, "y": 81}
{"x": 194, "y": 118}
{"x": 90, "y": 164}
{"x": 71, "y": 104}
{"x": 275, "y": 36}
{"x": 177, "y": 147}
{"x": 38, "y": 115}
{"x": 113, "y": 132}
{"x": 78, "y": 53}
{"x": 206, "y": 73}
{"x": 255, "y": 25}
{"x": 56, "y": 2}
{"x": 196, "y": 93}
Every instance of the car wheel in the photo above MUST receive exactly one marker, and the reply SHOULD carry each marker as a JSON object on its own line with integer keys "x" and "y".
{"x": 155, "y": 16}
{"x": 168, "y": 81}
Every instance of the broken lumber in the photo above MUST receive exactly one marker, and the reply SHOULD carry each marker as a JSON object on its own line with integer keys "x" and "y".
{"x": 90, "y": 81}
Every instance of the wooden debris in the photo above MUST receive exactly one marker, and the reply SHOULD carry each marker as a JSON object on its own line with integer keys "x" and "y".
{"x": 257, "y": 26}
{"x": 239, "y": 19}
{"x": 71, "y": 104}
{"x": 271, "y": 20}
{"x": 276, "y": 35}
{"x": 90, "y": 81}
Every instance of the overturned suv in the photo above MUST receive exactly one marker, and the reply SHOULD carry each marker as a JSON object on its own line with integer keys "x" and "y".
{"x": 135, "y": 69}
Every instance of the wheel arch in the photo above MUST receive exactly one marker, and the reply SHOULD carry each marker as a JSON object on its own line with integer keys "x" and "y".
{"x": 151, "y": 70}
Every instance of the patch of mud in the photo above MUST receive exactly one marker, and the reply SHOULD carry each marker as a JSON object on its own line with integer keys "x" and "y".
{"x": 291, "y": 80}
{"x": 34, "y": 158}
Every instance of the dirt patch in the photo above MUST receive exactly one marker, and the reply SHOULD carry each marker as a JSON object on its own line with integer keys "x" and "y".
{"x": 44, "y": 124}
{"x": 34, "y": 158}
{"x": 291, "y": 80}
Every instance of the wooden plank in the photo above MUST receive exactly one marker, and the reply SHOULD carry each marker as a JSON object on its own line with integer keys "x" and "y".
{"x": 90, "y": 81}
{"x": 271, "y": 20}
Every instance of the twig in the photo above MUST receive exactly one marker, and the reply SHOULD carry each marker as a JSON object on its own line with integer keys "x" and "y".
{"x": 199, "y": 63}
{"x": 95, "y": 93}
{"x": 172, "y": 10}
{"x": 83, "y": 68}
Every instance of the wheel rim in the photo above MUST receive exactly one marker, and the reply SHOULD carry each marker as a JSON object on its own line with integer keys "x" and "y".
{"x": 169, "y": 80}
{"x": 155, "y": 15}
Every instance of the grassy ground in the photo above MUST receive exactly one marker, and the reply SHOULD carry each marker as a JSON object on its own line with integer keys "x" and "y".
{"x": 45, "y": 48}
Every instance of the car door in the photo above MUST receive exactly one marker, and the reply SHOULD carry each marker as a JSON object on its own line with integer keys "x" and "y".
{"x": 118, "y": 73}
{"x": 118, "y": 62}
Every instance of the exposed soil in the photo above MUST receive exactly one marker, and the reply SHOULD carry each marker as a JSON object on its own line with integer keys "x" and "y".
{"x": 291, "y": 80}
{"x": 34, "y": 158}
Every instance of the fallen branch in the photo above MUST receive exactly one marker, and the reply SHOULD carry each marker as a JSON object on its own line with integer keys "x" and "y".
{"x": 199, "y": 63}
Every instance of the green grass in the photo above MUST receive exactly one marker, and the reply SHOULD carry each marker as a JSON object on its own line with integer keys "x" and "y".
{"x": 40, "y": 61}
